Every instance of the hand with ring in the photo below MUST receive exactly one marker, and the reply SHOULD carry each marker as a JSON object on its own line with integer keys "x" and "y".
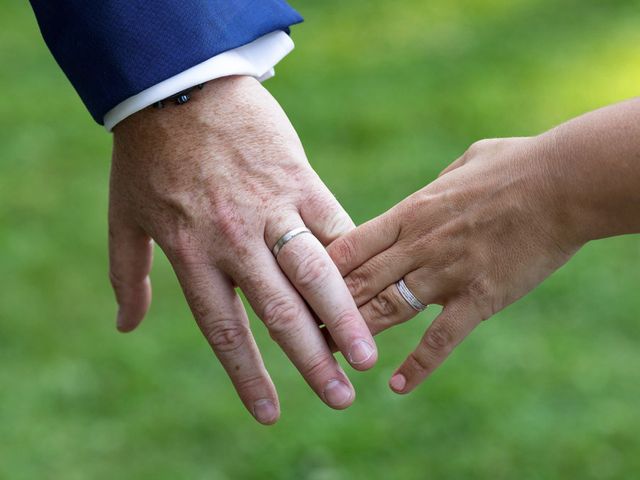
{"x": 222, "y": 184}
{"x": 482, "y": 235}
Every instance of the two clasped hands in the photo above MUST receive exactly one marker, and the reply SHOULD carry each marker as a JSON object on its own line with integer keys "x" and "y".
{"x": 219, "y": 182}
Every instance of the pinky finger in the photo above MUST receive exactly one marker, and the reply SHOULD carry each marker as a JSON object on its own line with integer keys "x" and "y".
{"x": 130, "y": 258}
{"x": 453, "y": 324}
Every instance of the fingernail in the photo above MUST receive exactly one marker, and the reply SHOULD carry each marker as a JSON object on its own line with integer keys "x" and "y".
{"x": 265, "y": 411}
{"x": 337, "y": 393}
{"x": 360, "y": 352}
{"x": 398, "y": 382}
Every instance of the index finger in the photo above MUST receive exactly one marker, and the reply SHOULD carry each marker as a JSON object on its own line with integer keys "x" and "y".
{"x": 369, "y": 239}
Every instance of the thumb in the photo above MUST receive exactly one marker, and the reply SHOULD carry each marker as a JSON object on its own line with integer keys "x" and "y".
{"x": 130, "y": 258}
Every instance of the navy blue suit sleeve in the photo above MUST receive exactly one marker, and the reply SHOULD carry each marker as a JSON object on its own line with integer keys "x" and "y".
{"x": 113, "y": 49}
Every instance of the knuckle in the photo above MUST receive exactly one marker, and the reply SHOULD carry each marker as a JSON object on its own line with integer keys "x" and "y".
{"x": 311, "y": 272}
{"x": 116, "y": 280}
{"x": 281, "y": 315}
{"x": 356, "y": 284}
{"x": 411, "y": 211}
{"x": 480, "y": 289}
{"x": 226, "y": 335}
{"x": 343, "y": 253}
{"x": 171, "y": 219}
{"x": 345, "y": 320}
{"x": 439, "y": 338}
{"x": 317, "y": 365}
{"x": 127, "y": 290}
{"x": 338, "y": 223}
{"x": 180, "y": 246}
{"x": 249, "y": 383}
{"x": 231, "y": 228}
{"x": 227, "y": 221}
{"x": 316, "y": 201}
{"x": 484, "y": 295}
{"x": 478, "y": 146}
{"x": 418, "y": 363}
{"x": 385, "y": 304}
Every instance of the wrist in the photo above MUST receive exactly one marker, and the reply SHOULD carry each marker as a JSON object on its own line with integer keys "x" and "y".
{"x": 179, "y": 114}
{"x": 597, "y": 157}
{"x": 579, "y": 207}
{"x": 552, "y": 185}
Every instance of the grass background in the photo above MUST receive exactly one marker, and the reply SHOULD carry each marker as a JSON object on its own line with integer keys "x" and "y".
{"x": 384, "y": 94}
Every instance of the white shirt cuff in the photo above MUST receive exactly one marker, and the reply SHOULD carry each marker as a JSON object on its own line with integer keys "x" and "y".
{"x": 255, "y": 59}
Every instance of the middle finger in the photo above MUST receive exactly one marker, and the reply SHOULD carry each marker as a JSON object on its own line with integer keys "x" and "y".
{"x": 389, "y": 308}
{"x": 293, "y": 327}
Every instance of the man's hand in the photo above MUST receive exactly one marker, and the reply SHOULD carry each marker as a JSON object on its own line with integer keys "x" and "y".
{"x": 216, "y": 183}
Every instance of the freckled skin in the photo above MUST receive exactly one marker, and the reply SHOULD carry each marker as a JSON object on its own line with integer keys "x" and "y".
{"x": 215, "y": 182}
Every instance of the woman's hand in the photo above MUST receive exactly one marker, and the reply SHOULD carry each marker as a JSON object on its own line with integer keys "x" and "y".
{"x": 487, "y": 231}
{"x": 495, "y": 224}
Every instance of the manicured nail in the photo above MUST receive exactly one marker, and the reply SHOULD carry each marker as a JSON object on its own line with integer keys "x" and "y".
{"x": 337, "y": 394}
{"x": 360, "y": 352}
{"x": 398, "y": 382}
{"x": 265, "y": 411}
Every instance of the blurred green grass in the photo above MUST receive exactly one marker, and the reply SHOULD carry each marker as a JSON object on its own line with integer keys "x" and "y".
{"x": 384, "y": 95}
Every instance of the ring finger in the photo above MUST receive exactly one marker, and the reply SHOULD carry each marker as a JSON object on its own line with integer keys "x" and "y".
{"x": 310, "y": 269}
{"x": 389, "y": 307}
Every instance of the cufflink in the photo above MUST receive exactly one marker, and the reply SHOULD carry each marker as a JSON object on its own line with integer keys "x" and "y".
{"x": 179, "y": 98}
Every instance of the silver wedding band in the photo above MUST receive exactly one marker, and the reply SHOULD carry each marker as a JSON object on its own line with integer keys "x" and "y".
{"x": 409, "y": 297}
{"x": 287, "y": 237}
